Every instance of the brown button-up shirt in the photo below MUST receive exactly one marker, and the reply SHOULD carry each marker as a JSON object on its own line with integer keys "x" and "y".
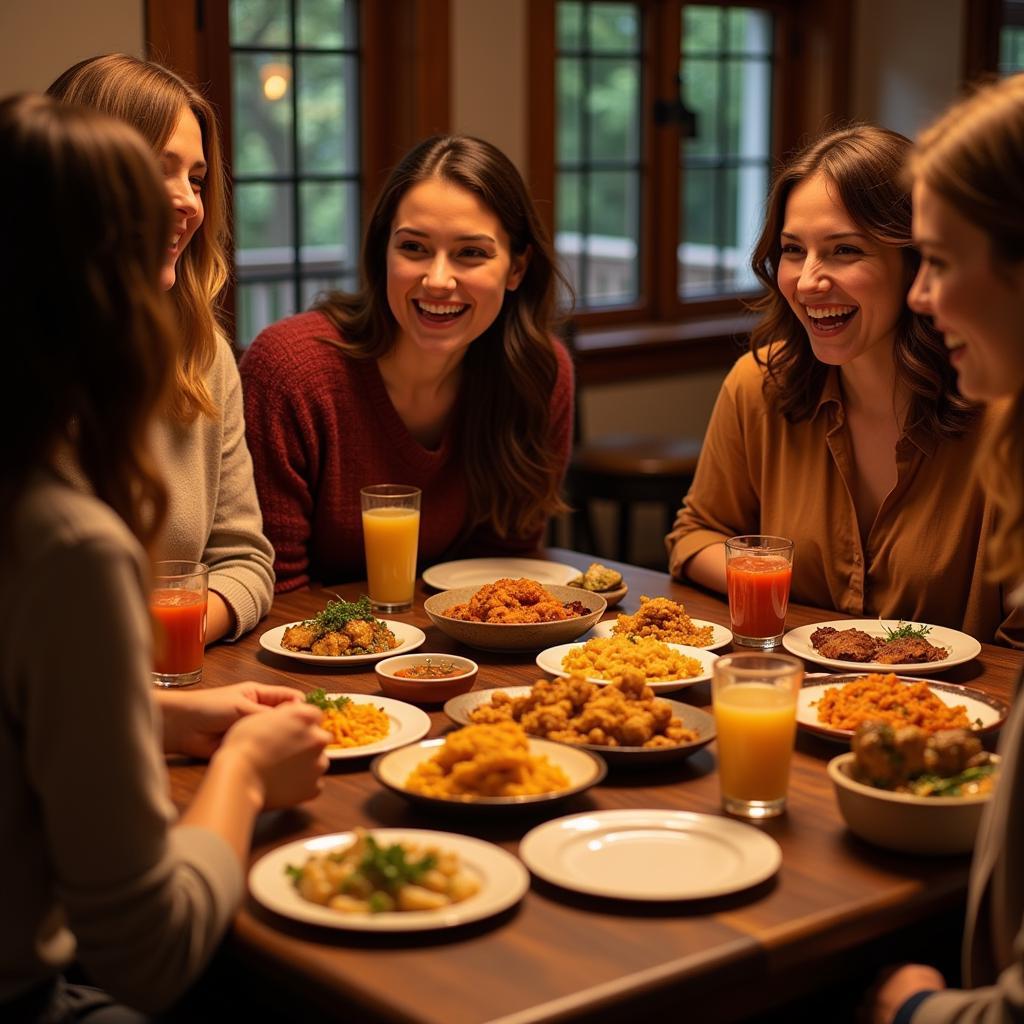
{"x": 923, "y": 559}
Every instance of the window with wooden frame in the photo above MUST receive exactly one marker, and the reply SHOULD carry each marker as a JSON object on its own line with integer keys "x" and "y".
{"x": 655, "y": 125}
{"x": 993, "y": 38}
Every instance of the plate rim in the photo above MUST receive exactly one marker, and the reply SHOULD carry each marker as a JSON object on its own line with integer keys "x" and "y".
{"x": 620, "y": 816}
{"x": 340, "y": 660}
{"x": 844, "y": 735}
{"x": 802, "y": 648}
{"x": 372, "y": 749}
{"x": 717, "y": 645}
{"x": 665, "y": 686}
{"x": 431, "y": 571}
{"x": 506, "y": 895}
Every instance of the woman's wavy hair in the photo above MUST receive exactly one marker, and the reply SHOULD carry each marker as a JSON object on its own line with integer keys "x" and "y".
{"x": 512, "y": 475}
{"x": 80, "y": 278}
{"x": 863, "y": 165}
{"x": 973, "y": 157}
{"x": 152, "y": 99}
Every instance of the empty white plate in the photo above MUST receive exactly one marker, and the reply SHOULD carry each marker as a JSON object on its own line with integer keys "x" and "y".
{"x": 650, "y": 855}
{"x": 475, "y": 572}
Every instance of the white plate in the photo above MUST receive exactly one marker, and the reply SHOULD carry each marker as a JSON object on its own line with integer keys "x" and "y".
{"x": 475, "y": 572}
{"x": 650, "y": 855}
{"x": 551, "y": 661}
{"x": 721, "y": 636}
{"x": 407, "y": 725}
{"x": 503, "y": 879}
{"x": 408, "y": 637}
{"x": 961, "y": 647}
{"x": 987, "y": 712}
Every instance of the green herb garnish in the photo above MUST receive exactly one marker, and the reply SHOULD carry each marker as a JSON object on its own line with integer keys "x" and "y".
{"x": 294, "y": 873}
{"x": 937, "y": 785}
{"x": 337, "y": 613}
{"x": 386, "y": 867}
{"x": 906, "y": 631}
{"x": 319, "y": 699}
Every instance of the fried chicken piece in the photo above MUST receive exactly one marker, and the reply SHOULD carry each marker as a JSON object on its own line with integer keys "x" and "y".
{"x": 844, "y": 644}
{"x": 300, "y": 637}
{"x": 951, "y": 751}
{"x": 332, "y": 644}
{"x": 909, "y": 650}
{"x": 360, "y": 633}
{"x": 513, "y": 601}
{"x": 887, "y": 757}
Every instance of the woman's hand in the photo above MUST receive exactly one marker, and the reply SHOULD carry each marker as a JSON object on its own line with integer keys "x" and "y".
{"x": 892, "y": 991}
{"x": 195, "y": 722}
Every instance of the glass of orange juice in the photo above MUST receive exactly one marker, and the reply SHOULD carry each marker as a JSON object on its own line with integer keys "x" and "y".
{"x": 391, "y": 533}
{"x": 758, "y": 572}
{"x": 754, "y": 700}
{"x": 178, "y": 606}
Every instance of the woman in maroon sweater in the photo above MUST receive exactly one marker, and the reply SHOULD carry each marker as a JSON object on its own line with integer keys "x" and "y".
{"x": 440, "y": 372}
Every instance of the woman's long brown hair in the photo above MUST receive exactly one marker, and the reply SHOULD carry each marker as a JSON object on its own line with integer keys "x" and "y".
{"x": 151, "y": 99}
{"x": 513, "y": 477}
{"x": 90, "y": 332}
{"x": 973, "y": 157}
{"x": 864, "y": 166}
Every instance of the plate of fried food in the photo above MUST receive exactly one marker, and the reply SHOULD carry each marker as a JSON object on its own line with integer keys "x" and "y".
{"x": 344, "y": 633}
{"x": 514, "y": 614}
{"x": 488, "y": 767}
{"x": 603, "y": 659}
{"x": 666, "y": 620}
{"x": 882, "y": 645}
{"x": 623, "y": 722}
{"x": 834, "y": 706}
{"x": 363, "y": 726}
{"x": 388, "y": 880}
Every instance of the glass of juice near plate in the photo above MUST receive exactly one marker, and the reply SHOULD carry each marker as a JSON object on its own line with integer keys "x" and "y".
{"x": 758, "y": 573}
{"x": 391, "y": 532}
{"x": 178, "y": 606}
{"x": 754, "y": 699}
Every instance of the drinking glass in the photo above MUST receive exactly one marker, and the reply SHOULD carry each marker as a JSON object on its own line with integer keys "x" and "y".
{"x": 754, "y": 701}
{"x": 178, "y": 607}
{"x": 758, "y": 573}
{"x": 391, "y": 530}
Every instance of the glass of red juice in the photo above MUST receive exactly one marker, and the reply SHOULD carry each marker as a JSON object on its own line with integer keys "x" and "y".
{"x": 758, "y": 572}
{"x": 178, "y": 606}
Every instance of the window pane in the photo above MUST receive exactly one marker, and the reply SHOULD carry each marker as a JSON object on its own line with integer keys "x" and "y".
{"x": 697, "y": 231}
{"x": 702, "y": 29}
{"x": 315, "y": 288}
{"x": 700, "y": 81}
{"x": 613, "y": 125}
{"x": 748, "y": 31}
{"x": 263, "y": 222}
{"x": 613, "y": 242}
{"x": 261, "y": 303}
{"x": 569, "y": 89}
{"x": 1011, "y": 50}
{"x": 569, "y": 25}
{"x": 748, "y": 93}
{"x": 614, "y": 28}
{"x": 330, "y": 224}
{"x": 262, "y": 125}
{"x": 750, "y": 186}
{"x": 327, "y": 136}
{"x": 260, "y": 23}
{"x": 569, "y": 227}
{"x": 325, "y": 23}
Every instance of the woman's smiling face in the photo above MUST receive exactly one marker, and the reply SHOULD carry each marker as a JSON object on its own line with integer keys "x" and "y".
{"x": 449, "y": 265}
{"x": 844, "y": 286}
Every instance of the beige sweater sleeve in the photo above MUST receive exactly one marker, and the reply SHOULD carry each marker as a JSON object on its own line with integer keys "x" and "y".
{"x": 146, "y": 904}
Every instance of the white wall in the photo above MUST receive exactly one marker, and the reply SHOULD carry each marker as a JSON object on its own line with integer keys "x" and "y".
{"x": 906, "y": 60}
{"x": 40, "y": 38}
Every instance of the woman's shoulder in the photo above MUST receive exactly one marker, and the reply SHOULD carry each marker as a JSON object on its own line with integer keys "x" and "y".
{"x": 746, "y": 376}
{"x": 297, "y": 347}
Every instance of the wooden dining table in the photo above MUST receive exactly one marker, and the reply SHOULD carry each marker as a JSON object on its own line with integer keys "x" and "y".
{"x": 558, "y": 955}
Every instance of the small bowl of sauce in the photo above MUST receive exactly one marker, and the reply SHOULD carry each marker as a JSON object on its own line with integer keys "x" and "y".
{"x": 426, "y": 678}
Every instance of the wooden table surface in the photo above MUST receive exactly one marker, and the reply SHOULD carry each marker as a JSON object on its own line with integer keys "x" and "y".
{"x": 558, "y": 955}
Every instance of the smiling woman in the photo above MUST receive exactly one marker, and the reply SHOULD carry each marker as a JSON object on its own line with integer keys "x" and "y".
{"x": 843, "y": 428}
{"x": 441, "y": 374}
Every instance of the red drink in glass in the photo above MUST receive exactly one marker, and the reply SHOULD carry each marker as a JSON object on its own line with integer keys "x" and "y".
{"x": 758, "y": 578}
{"x": 178, "y": 606}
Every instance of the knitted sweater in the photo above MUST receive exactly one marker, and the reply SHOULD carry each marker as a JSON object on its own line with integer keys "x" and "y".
{"x": 321, "y": 426}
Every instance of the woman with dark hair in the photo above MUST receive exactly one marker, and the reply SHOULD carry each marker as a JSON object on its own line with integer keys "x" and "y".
{"x": 440, "y": 372}
{"x": 968, "y": 187}
{"x": 99, "y": 868}
{"x": 843, "y": 428}
{"x": 213, "y": 515}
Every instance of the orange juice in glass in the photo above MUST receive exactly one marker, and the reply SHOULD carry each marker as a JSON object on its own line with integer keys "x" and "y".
{"x": 177, "y": 604}
{"x": 391, "y": 532}
{"x": 754, "y": 699}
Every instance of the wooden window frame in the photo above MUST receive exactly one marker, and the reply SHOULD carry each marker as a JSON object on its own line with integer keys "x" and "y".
{"x": 810, "y": 92}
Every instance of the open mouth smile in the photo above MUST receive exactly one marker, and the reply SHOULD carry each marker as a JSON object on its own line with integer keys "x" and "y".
{"x": 439, "y": 312}
{"x": 830, "y": 319}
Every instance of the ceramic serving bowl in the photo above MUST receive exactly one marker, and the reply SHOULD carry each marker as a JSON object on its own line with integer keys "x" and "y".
{"x": 526, "y": 636}
{"x": 425, "y": 691}
{"x": 901, "y": 821}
